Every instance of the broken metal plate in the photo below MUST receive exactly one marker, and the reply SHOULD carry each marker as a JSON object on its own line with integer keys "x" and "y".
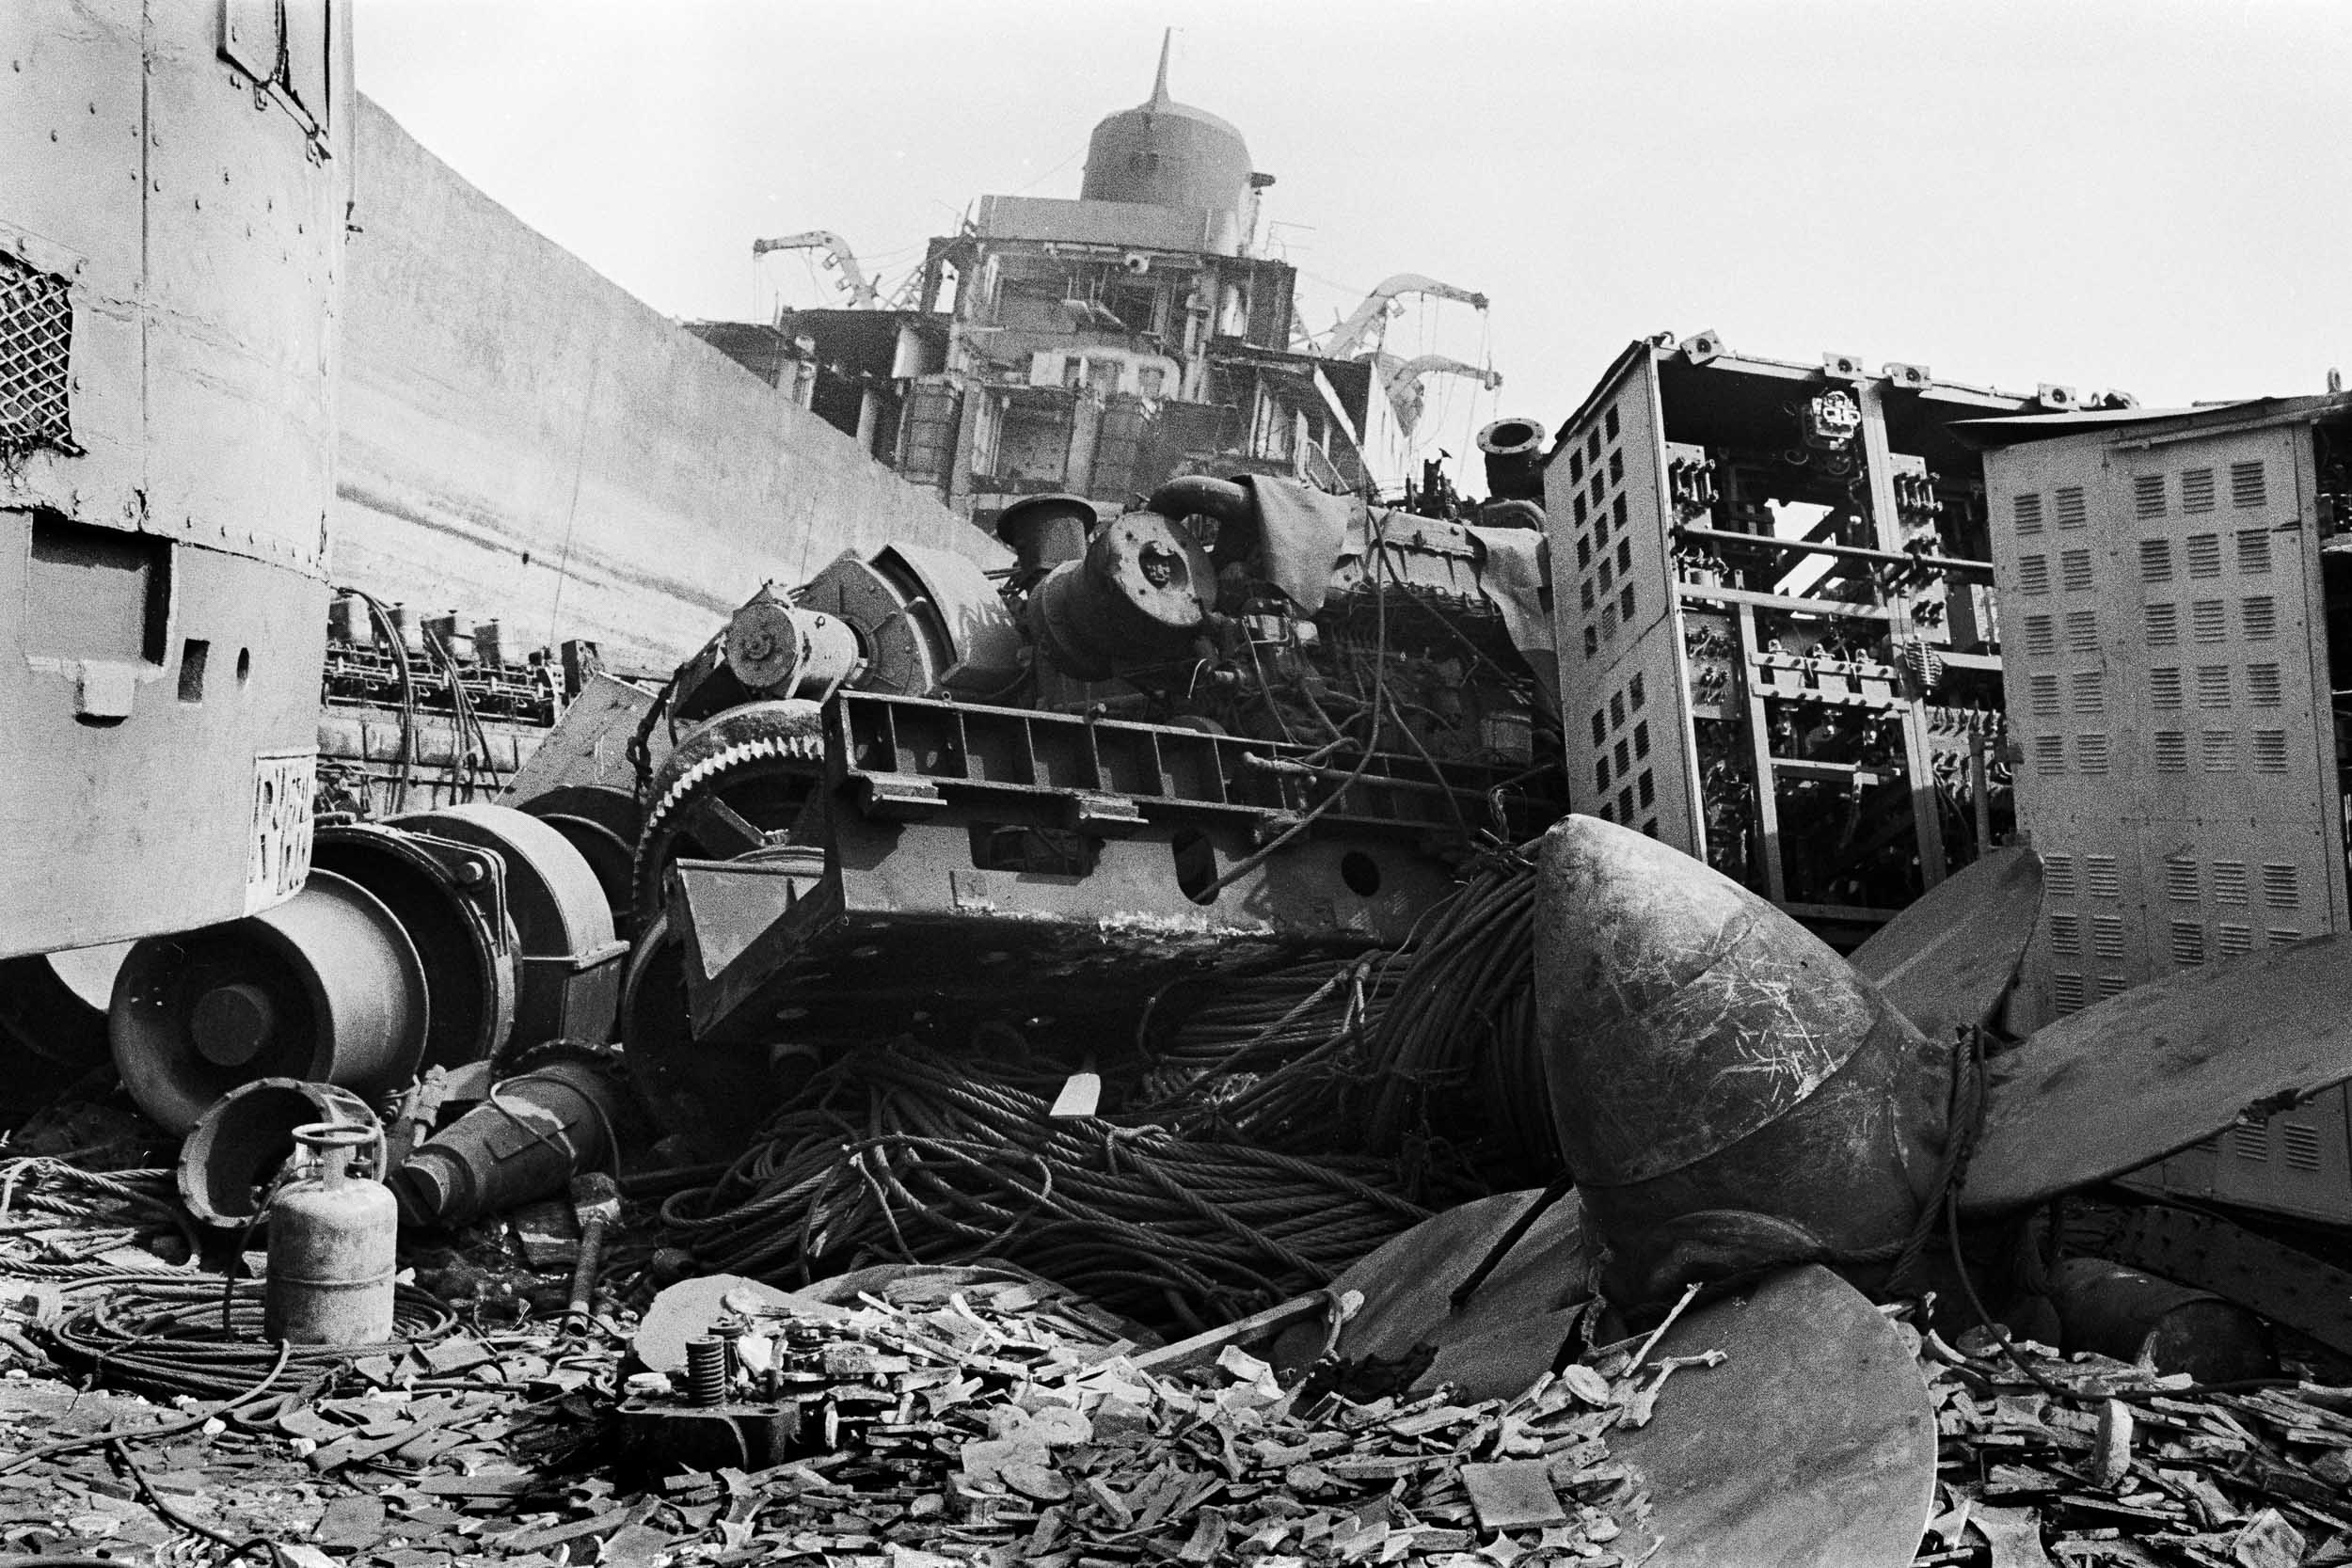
{"x": 1408, "y": 1281}
{"x": 1947, "y": 961}
{"x": 2160, "y": 1067}
{"x": 1813, "y": 1442}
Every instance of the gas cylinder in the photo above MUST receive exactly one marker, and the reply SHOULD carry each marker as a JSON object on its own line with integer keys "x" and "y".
{"x": 331, "y": 1245}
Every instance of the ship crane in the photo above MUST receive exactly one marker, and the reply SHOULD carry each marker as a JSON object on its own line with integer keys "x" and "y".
{"x": 838, "y": 259}
{"x": 1350, "y": 334}
{"x": 1402, "y": 378}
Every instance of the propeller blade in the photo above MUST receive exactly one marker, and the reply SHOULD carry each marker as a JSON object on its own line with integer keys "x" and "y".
{"x": 1408, "y": 1283}
{"x": 1946, "y": 962}
{"x": 2162, "y": 1066}
{"x": 1814, "y": 1442}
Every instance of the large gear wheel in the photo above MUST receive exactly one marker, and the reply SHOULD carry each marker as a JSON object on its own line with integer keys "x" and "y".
{"x": 746, "y": 772}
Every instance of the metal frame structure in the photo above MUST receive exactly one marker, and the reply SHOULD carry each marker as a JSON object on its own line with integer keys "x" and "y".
{"x": 1814, "y": 710}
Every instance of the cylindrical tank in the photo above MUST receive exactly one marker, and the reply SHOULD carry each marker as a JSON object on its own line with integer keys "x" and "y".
{"x": 1046, "y": 531}
{"x": 332, "y": 1239}
{"x": 1728, "y": 1090}
{"x": 2131, "y": 1316}
{"x": 784, "y": 650}
{"x": 1512, "y": 446}
{"x": 1136, "y": 598}
{"x": 1168, "y": 155}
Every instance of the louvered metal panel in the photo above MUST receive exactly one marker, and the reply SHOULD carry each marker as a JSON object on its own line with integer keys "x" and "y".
{"x": 2194, "y": 815}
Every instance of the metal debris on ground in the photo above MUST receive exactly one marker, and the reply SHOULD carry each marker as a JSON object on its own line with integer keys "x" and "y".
{"x": 980, "y": 1430}
{"x": 2048, "y": 1459}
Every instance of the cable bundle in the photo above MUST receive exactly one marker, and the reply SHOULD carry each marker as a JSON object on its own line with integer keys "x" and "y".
{"x": 906, "y": 1154}
{"x": 1395, "y": 1053}
{"x": 170, "y": 1337}
{"x": 104, "y": 1209}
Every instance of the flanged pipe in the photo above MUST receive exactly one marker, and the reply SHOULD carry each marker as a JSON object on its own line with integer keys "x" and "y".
{"x": 1046, "y": 531}
{"x": 238, "y": 1147}
{"x": 1513, "y": 447}
{"x": 536, "y": 1132}
{"x": 325, "y": 986}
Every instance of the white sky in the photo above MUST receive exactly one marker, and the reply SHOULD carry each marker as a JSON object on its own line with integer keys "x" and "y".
{"x": 2155, "y": 196}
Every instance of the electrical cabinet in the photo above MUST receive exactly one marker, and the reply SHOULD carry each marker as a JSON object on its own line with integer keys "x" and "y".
{"x": 2169, "y": 584}
{"x": 1779, "y": 648}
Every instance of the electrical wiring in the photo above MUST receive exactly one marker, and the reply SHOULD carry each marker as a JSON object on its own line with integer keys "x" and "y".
{"x": 903, "y": 1153}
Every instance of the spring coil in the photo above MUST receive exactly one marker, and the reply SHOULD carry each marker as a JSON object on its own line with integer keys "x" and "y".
{"x": 705, "y": 1371}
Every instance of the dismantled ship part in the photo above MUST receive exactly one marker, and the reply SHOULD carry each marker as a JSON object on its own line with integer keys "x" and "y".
{"x": 237, "y": 1151}
{"x": 567, "y": 1112}
{"x": 430, "y": 941}
{"x": 167, "y": 460}
{"x": 1779, "y": 646}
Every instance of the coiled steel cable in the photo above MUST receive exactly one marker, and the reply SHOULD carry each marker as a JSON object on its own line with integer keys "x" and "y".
{"x": 181, "y": 1336}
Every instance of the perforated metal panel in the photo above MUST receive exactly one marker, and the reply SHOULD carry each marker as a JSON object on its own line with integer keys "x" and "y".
{"x": 1624, "y": 696}
{"x": 2178, "y": 771}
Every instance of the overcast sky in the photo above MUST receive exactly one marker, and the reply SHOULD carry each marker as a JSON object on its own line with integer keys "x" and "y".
{"x": 2149, "y": 196}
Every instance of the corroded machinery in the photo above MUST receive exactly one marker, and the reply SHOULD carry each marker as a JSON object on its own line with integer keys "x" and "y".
{"x": 171, "y": 235}
{"x": 905, "y": 796}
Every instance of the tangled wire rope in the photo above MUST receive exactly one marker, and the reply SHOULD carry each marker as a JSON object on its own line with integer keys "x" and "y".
{"x": 902, "y": 1153}
{"x": 103, "y": 1209}
{"x": 173, "y": 1336}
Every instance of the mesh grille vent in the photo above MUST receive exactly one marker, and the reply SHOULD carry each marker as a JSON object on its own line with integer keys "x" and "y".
{"x": 2299, "y": 1142}
{"x": 2026, "y": 509}
{"x": 2045, "y": 695}
{"x": 2230, "y": 942}
{"x": 2205, "y": 555}
{"x": 2100, "y": 878}
{"x": 2229, "y": 882}
{"x": 2111, "y": 984}
{"x": 2172, "y": 751}
{"x": 2281, "y": 888}
{"x": 2040, "y": 634}
{"x": 2262, "y": 685}
{"x": 2033, "y": 574}
{"x": 2188, "y": 942}
{"x": 2271, "y": 751}
{"x": 2207, "y": 621}
{"x": 2253, "y": 550}
{"x": 2090, "y": 692}
{"x": 2261, "y": 614}
{"x": 2181, "y": 880}
{"x": 2082, "y": 630}
{"x": 2075, "y": 567}
{"x": 2058, "y": 876}
{"x": 2148, "y": 494}
{"x": 2049, "y": 754}
{"x": 2163, "y": 685}
{"x": 2212, "y": 686}
{"x": 2091, "y": 752}
{"x": 2220, "y": 751}
{"x": 2280, "y": 935}
{"x": 2071, "y": 511}
{"x": 2163, "y": 623}
{"x": 2250, "y": 1140}
{"x": 2155, "y": 561}
{"x": 2197, "y": 489}
{"x": 2067, "y": 992}
{"x": 35, "y": 360}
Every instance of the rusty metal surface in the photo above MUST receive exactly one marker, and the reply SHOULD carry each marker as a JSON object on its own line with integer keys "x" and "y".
{"x": 1946, "y": 962}
{"x": 2159, "y": 1067}
{"x": 1408, "y": 1281}
{"x": 1814, "y": 1442}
